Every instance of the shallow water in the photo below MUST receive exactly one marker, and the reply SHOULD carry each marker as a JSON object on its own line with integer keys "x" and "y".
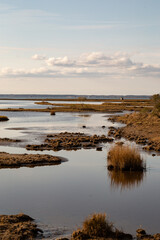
{"x": 31, "y": 104}
{"x": 62, "y": 196}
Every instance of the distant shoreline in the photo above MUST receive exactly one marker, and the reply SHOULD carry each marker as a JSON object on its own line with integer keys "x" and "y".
{"x": 54, "y": 97}
{"x": 75, "y": 99}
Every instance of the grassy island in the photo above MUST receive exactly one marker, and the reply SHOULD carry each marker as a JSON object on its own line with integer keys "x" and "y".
{"x": 3, "y": 118}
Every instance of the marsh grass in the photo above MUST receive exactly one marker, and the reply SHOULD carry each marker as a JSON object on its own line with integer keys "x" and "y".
{"x": 97, "y": 226}
{"x": 106, "y": 106}
{"x": 125, "y": 158}
{"x": 4, "y": 118}
{"x": 52, "y": 112}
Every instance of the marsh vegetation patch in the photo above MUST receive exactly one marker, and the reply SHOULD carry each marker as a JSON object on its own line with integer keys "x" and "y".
{"x": 70, "y": 141}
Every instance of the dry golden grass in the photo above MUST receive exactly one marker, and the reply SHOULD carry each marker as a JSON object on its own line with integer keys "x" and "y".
{"x": 97, "y": 226}
{"x": 146, "y": 125}
{"x": 125, "y": 158}
{"x": 104, "y": 107}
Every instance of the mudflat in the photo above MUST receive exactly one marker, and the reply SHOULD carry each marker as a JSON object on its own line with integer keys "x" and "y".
{"x": 27, "y": 160}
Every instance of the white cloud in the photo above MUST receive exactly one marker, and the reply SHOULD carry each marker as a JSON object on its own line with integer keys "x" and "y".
{"x": 88, "y": 65}
{"x": 59, "y": 61}
{"x": 92, "y": 58}
{"x": 38, "y": 57}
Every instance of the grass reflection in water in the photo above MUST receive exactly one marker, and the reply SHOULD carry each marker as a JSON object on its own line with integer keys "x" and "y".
{"x": 125, "y": 180}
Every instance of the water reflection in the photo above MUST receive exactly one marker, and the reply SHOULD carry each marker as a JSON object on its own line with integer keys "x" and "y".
{"x": 125, "y": 180}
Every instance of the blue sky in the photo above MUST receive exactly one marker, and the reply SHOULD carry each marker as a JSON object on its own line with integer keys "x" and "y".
{"x": 83, "y": 47}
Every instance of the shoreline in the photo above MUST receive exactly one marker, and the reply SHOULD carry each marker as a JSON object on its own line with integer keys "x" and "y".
{"x": 143, "y": 128}
{"x": 22, "y": 226}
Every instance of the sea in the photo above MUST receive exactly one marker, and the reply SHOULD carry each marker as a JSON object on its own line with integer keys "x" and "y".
{"x": 70, "y": 96}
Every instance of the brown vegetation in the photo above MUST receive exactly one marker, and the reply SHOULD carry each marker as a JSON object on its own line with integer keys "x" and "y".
{"x": 144, "y": 128}
{"x": 155, "y": 99}
{"x": 53, "y": 113}
{"x": 96, "y": 227}
{"x": 70, "y": 141}
{"x": 9, "y": 140}
{"x": 141, "y": 234}
{"x": 125, "y": 158}
{"x": 3, "y": 118}
{"x": 18, "y": 227}
{"x": 107, "y": 106}
{"x": 27, "y": 160}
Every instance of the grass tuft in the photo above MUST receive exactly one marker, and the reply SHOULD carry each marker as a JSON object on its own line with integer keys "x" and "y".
{"x": 97, "y": 226}
{"x": 53, "y": 112}
{"x": 125, "y": 158}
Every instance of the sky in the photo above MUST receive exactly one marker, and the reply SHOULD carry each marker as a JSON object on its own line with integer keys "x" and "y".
{"x": 80, "y": 47}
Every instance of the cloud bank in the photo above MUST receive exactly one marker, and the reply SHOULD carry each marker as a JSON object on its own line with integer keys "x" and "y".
{"x": 88, "y": 65}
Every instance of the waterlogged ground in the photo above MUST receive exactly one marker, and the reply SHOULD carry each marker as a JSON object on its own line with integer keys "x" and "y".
{"x": 60, "y": 197}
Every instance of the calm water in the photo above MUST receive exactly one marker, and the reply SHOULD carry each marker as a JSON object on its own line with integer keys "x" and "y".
{"x": 31, "y": 104}
{"x": 62, "y": 196}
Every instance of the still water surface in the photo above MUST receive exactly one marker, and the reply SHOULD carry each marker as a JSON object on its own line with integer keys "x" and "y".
{"x": 63, "y": 195}
{"x": 31, "y": 104}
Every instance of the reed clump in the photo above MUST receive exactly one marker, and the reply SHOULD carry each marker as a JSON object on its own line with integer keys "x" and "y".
{"x": 97, "y": 226}
{"x": 125, "y": 158}
{"x": 52, "y": 113}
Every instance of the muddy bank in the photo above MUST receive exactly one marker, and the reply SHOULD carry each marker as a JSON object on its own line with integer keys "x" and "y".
{"x": 23, "y": 227}
{"x": 27, "y": 160}
{"x": 98, "y": 226}
{"x": 141, "y": 234}
{"x": 18, "y": 227}
{"x": 9, "y": 140}
{"x": 143, "y": 128}
{"x": 70, "y": 141}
